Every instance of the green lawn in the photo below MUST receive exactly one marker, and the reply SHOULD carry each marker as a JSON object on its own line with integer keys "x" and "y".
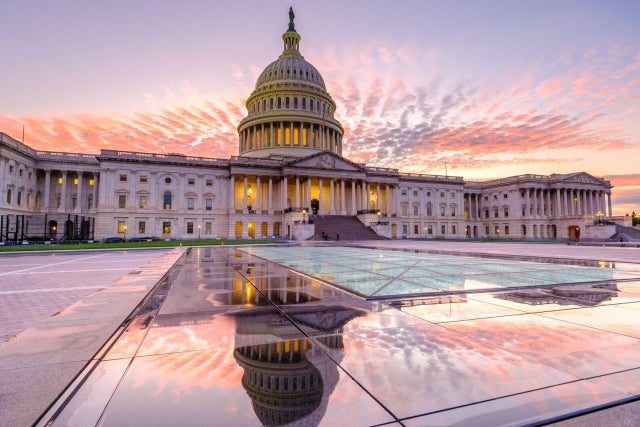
{"x": 125, "y": 245}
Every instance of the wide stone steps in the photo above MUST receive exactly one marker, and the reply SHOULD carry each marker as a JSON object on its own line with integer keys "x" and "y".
{"x": 342, "y": 227}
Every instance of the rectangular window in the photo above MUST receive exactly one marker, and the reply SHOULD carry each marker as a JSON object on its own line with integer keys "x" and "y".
{"x": 90, "y": 202}
{"x": 429, "y": 229}
{"x": 123, "y": 178}
{"x": 443, "y": 229}
{"x": 415, "y": 192}
{"x": 59, "y": 180}
{"x": 21, "y": 172}
{"x": 143, "y": 178}
{"x": 122, "y": 200}
{"x": 10, "y": 168}
{"x": 453, "y": 229}
{"x": 207, "y": 227}
{"x": 191, "y": 203}
{"x": 453, "y": 195}
{"x": 505, "y": 196}
{"x": 506, "y": 212}
{"x": 416, "y": 229}
{"x": 442, "y": 194}
{"x": 441, "y": 210}
{"x": 486, "y": 213}
{"x": 404, "y": 229}
{"x": 191, "y": 181}
{"x": 74, "y": 202}
{"x": 208, "y": 203}
{"x": 19, "y": 201}
{"x": 30, "y": 175}
{"x": 141, "y": 227}
{"x": 497, "y": 230}
{"x": 506, "y": 230}
{"x": 189, "y": 227}
{"x": 28, "y": 200}
{"x": 75, "y": 181}
{"x": 404, "y": 192}
{"x": 415, "y": 210}
{"x": 166, "y": 227}
{"x": 142, "y": 202}
{"x": 486, "y": 230}
{"x": 91, "y": 182}
{"x": 453, "y": 211}
{"x": 121, "y": 227}
{"x": 209, "y": 182}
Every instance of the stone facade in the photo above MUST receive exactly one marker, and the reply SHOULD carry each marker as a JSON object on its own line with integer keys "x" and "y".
{"x": 289, "y": 167}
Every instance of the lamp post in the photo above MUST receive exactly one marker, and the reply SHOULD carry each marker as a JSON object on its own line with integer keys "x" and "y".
{"x": 125, "y": 233}
{"x": 304, "y": 212}
{"x": 199, "y": 227}
{"x": 379, "y": 217}
{"x": 599, "y": 215}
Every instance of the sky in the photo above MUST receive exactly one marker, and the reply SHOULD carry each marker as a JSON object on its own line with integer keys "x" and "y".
{"x": 481, "y": 89}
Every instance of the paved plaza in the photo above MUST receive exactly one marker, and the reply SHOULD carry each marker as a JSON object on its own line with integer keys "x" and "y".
{"x": 228, "y": 337}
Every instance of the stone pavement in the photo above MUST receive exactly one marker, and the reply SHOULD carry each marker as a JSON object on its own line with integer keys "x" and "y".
{"x": 57, "y": 310}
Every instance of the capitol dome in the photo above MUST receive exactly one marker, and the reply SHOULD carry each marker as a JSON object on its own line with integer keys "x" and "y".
{"x": 290, "y": 112}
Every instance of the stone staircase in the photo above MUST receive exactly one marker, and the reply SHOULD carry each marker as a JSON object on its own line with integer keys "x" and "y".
{"x": 347, "y": 227}
{"x": 625, "y": 234}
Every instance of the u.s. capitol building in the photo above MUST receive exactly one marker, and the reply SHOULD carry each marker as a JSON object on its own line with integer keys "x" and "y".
{"x": 288, "y": 172}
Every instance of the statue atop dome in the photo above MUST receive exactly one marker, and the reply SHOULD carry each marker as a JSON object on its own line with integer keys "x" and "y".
{"x": 292, "y": 26}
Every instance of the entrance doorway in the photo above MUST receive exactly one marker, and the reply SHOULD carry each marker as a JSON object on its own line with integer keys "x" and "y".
{"x": 315, "y": 206}
{"x": 574, "y": 232}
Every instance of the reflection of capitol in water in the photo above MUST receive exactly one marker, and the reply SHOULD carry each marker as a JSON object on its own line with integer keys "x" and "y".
{"x": 569, "y": 295}
{"x": 287, "y": 377}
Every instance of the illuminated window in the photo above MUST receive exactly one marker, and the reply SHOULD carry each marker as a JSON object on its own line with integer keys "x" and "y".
{"x": 189, "y": 227}
{"x": 207, "y": 227}
{"x": 91, "y": 182}
{"x": 122, "y": 200}
{"x": 121, "y": 227}
{"x": 142, "y": 202}
{"x": 166, "y": 227}
{"x": 59, "y": 180}
{"x": 167, "y": 200}
{"x": 141, "y": 227}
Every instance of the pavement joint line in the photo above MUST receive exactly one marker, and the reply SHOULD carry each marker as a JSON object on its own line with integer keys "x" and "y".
{"x": 29, "y": 291}
{"x": 66, "y": 271}
{"x": 48, "y": 265}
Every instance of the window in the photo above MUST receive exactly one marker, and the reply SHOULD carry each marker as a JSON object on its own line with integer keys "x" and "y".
{"x": 75, "y": 181}
{"x": 89, "y": 202}
{"x": 416, "y": 229}
{"x": 167, "y": 180}
{"x": 189, "y": 227}
{"x": 20, "y": 172}
{"x": 304, "y": 103}
{"x": 453, "y": 229}
{"x": 295, "y": 101}
{"x": 19, "y": 199}
{"x": 506, "y": 230}
{"x": 404, "y": 208}
{"x": 122, "y": 200}
{"x": 167, "y": 200}
{"x": 208, "y": 204}
{"x": 191, "y": 203}
{"x": 452, "y": 195}
{"x": 428, "y": 193}
{"x": 143, "y": 178}
{"x": 207, "y": 227}
{"x": 142, "y": 202}
{"x": 74, "y": 201}
{"x": 495, "y": 212}
{"x": 404, "y": 229}
{"x": 279, "y": 102}
{"x": 121, "y": 227}
{"x": 453, "y": 210}
{"x": 486, "y": 213}
{"x": 123, "y": 178}
{"x": 404, "y": 192}
{"x": 166, "y": 227}
{"x": 30, "y": 175}
{"x": 11, "y": 168}
{"x": 415, "y": 209}
{"x": 497, "y": 230}
{"x": 208, "y": 182}
{"x": 141, "y": 227}
{"x": 271, "y": 103}
{"x": 429, "y": 229}
{"x": 286, "y": 101}
{"x": 59, "y": 180}
{"x": 495, "y": 197}
{"x": 311, "y": 104}
{"x": 506, "y": 211}
{"x": 486, "y": 230}
{"x": 415, "y": 192}
{"x": 442, "y": 209}
{"x": 443, "y": 229}
{"x": 486, "y": 198}
{"x": 429, "y": 209}
{"x": 442, "y": 194}
{"x": 505, "y": 196}
{"x": 191, "y": 181}
{"x": 28, "y": 200}
{"x": 524, "y": 210}
{"x": 91, "y": 182}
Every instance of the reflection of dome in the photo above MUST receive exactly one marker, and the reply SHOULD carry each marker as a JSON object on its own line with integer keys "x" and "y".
{"x": 283, "y": 385}
{"x": 290, "y": 112}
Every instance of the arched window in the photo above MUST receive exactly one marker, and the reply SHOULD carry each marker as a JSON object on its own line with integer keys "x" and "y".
{"x": 286, "y": 102}
{"x": 279, "y": 102}
{"x": 295, "y": 102}
{"x": 311, "y": 104}
{"x": 271, "y": 104}
{"x": 167, "y": 200}
{"x": 429, "y": 209}
{"x": 304, "y": 103}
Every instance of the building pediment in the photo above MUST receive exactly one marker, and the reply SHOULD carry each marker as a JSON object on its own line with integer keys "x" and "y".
{"x": 582, "y": 178}
{"x": 326, "y": 161}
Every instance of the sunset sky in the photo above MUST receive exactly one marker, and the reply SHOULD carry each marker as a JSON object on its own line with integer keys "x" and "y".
{"x": 491, "y": 88}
